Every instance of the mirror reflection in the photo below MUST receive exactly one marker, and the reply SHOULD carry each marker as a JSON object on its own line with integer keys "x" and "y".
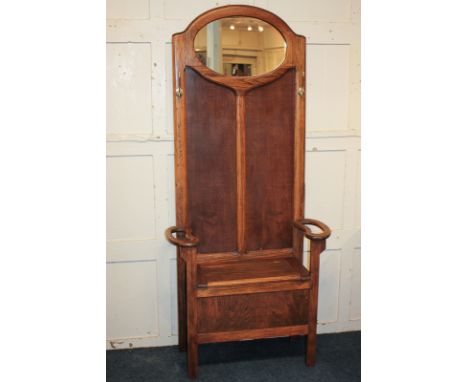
{"x": 240, "y": 46}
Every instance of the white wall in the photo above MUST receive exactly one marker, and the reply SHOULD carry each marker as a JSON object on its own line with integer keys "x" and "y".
{"x": 141, "y": 266}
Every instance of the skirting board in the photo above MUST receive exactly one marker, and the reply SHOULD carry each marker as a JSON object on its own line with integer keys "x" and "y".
{"x": 152, "y": 341}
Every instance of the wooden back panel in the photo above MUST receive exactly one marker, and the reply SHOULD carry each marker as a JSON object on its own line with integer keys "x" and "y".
{"x": 211, "y": 163}
{"x": 270, "y": 164}
{"x": 239, "y": 145}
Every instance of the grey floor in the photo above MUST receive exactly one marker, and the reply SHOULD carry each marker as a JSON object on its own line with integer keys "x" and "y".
{"x": 278, "y": 359}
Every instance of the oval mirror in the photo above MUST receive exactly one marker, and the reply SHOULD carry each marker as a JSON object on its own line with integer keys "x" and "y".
{"x": 240, "y": 46}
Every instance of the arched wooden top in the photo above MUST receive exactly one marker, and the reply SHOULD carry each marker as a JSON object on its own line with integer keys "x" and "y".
{"x": 239, "y": 84}
{"x": 238, "y": 11}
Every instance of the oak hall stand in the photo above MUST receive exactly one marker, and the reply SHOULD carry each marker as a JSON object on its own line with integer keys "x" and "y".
{"x": 239, "y": 170}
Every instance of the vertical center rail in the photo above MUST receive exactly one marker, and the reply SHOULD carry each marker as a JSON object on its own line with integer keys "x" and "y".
{"x": 241, "y": 172}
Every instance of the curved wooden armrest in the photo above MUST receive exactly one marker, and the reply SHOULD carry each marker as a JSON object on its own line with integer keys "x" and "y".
{"x": 188, "y": 241}
{"x": 301, "y": 225}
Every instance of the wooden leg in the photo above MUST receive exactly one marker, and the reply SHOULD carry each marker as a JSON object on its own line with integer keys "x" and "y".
{"x": 192, "y": 358}
{"x": 182, "y": 302}
{"x": 311, "y": 347}
{"x": 315, "y": 249}
{"x": 192, "y": 351}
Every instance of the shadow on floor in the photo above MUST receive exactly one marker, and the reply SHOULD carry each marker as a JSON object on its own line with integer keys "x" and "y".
{"x": 277, "y": 359}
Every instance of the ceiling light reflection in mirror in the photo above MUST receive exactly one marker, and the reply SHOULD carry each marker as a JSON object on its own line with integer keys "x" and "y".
{"x": 240, "y": 46}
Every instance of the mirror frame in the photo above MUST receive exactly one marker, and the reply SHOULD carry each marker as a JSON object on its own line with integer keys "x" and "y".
{"x": 184, "y": 41}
